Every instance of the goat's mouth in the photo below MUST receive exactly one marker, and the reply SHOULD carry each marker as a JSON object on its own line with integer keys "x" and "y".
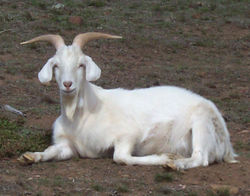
{"x": 68, "y": 92}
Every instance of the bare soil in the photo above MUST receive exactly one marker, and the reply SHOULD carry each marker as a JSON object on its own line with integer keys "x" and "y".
{"x": 164, "y": 44}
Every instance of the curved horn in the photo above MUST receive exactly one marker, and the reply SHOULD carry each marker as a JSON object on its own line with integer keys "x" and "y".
{"x": 83, "y": 38}
{"x": 56, "y": 40}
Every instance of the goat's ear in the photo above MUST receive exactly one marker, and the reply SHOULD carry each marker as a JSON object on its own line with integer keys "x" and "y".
{"x": 93, "y": 72}
{"x": 46, "y": 73}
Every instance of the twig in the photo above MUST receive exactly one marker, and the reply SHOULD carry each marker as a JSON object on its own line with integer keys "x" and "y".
{"x": 13, "y": 110}
{"x": 5, "y": 31}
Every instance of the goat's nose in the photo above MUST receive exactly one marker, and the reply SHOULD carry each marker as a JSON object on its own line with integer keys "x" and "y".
{"x": 67, "y": 84}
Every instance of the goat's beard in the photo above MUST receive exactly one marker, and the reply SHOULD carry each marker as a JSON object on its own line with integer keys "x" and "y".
{"x": 70, "y": 111}
{"x": 69, "y": 104}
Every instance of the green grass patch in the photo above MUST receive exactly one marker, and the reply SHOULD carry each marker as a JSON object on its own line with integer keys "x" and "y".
{"x": 239, "y": 145}
{"x": 97, "y": 187}
{"x": 204, "y": 43}
{"x": 192, "y": 194}
{"x": 219, "y": 192}
{"x": 58, "y": 181}
{"x": 43, "y": 182}
{"x": 15, "y": 139}
{"x": 97, "y": 3}
{"x": 164, "y": 177}
{"x": 123, "y": 188}
{"x": 39, "y": 4}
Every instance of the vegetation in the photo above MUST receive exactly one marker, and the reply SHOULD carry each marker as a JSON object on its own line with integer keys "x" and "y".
{"x": 219, "y": 192}
{"x": 164, "y": 177}
{"x": 15, "y": 139}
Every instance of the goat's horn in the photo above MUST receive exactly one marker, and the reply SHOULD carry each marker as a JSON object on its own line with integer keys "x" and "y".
{"x": 56, "y": 40}
{"x": 83, "y": 38}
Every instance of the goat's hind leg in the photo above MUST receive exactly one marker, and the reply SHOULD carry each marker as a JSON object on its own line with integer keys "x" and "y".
{"x": 123, "y": 154}
{"x": 61, "y": 151}
{"x": 203, "y": 144}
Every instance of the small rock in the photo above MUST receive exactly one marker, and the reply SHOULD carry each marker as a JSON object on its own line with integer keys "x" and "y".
{"x": 196, "y": 16}
{"x": 75, "y": 20}
{"x": 27, "y": 193}
{"x": 58, "y": 6}
{"x": 195, "y": 182}
{"x": 181, "y": 186}
{"x": 2, "y": 64}
{"x": 77, "y": 189}
{"x": 211, "y": 86}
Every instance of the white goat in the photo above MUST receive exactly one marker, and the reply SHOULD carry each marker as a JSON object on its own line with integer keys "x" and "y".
{"x": 141, "y": 126}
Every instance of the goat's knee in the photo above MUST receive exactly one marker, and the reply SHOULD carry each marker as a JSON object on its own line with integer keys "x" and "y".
{"x": 122, "y": 158}
{"x": 65, "y": 153}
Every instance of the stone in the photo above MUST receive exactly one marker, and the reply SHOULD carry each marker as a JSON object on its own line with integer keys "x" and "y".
{"x": 58, "y": 6}
{"x": 77, "y": 20}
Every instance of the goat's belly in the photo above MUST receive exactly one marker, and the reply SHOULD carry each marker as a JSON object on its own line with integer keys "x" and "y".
{"x": 165, "y": 141}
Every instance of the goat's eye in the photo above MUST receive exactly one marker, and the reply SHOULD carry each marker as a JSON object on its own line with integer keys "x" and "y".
{"x": 81, "y": 65}
{"x": 55, "y": 66}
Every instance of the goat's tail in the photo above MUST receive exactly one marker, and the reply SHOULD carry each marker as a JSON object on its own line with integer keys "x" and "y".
{"x": 221, "y": 129}
{"x": 229, "y": 155}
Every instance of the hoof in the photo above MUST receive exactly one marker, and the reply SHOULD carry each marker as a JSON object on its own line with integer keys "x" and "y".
{"x": 26, "y": 158}
{"x": 170, "y": 165}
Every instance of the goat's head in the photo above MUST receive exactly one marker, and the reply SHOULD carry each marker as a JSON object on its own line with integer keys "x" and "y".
{"x": 69, "y": 63}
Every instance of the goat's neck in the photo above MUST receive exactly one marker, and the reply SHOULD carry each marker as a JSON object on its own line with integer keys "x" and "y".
{"x": 85, "y": 101}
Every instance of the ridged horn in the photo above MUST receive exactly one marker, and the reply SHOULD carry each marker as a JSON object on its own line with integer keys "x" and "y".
{"x": 55, "y": 40}
{"x": 83, "y": 38}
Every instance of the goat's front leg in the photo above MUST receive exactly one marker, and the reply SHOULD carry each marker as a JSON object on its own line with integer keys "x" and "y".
{"x": 123, "y": 154}
{"x": 60, "y": 151}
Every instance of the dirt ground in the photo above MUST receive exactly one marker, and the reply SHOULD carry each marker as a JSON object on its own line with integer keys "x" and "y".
{"x": 203, "y": 46}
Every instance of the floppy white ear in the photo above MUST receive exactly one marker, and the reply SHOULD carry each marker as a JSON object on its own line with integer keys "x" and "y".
{"x": 46, "y": 73}
{"x": 93, "y": 72}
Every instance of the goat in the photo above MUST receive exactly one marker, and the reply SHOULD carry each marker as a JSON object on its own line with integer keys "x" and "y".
{"x": 163, "y": 125}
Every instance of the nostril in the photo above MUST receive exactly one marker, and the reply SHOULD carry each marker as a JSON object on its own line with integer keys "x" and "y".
{"x": 67, "y": 84}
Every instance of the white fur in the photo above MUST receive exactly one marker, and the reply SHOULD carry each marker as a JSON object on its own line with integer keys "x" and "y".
{"x": 142, "y": 126}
